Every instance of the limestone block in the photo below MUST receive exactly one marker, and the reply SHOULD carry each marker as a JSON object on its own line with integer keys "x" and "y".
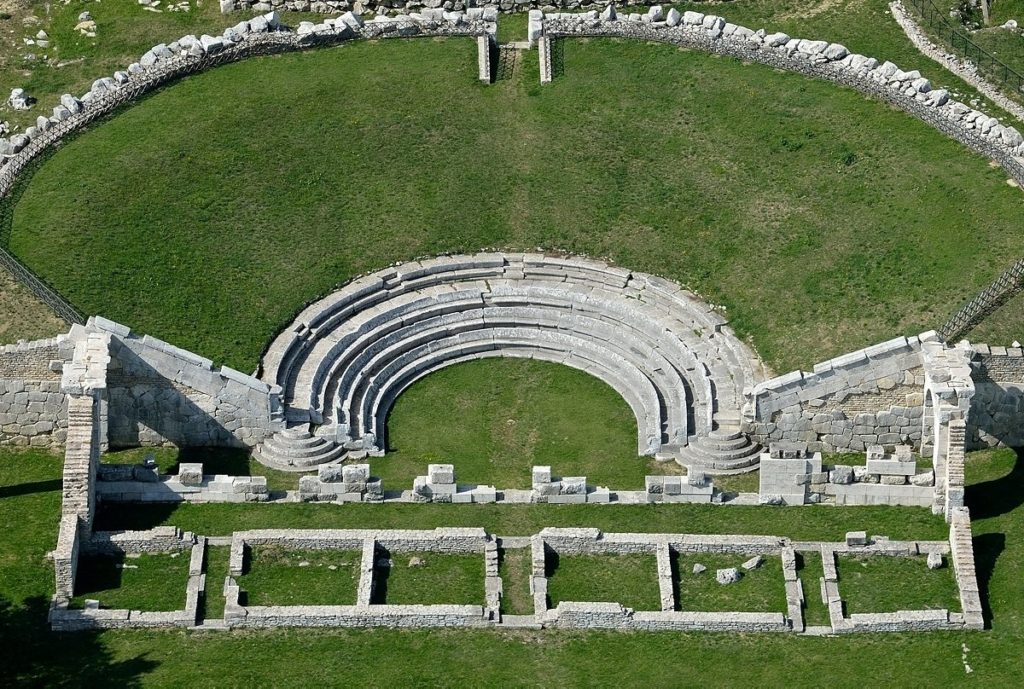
{"x": 753, "y": 563}
{"x": 935, "y": 560}
{"x": 888, "y": 480}
{"x": 541, "y": 474}
{"x": 655, "y": 485}
{"x": 330, "y": 473}
{"x": 841, "y": 474}
{"x": 190, "y": 474}
{"x": 728, "y": 576}
{"x": 441, "y": 473}
{"x": 857, "y": 538}
{"x": 355, "y": 473}
{"x": 926, "y": 478}
{"x": 573, "y": 485}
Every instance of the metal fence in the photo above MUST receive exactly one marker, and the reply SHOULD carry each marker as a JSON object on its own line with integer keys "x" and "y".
{"x": 987, "y": 302}
{"x": 938, "y": 21}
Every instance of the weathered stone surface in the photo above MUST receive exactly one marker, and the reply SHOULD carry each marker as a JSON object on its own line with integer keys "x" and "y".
{"x": 728, "y": 576}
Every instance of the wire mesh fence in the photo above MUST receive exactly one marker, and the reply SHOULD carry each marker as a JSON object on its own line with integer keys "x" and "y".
{"x": 938, "y": 21}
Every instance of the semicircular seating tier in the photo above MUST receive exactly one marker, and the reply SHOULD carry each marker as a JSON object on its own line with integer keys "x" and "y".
{"x": 346, "y": 358}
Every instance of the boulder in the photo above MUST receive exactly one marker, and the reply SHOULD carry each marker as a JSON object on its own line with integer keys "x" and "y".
{"x": 775, "y": 40}
{"x": 841, "y": 475}
{"x": 19, "y": 100}
{"x": 693, "y": 18}
{"x": 608, "y": 14}
{"x": 925, "y": 478}
{"x": 211, "y": 44}
{"x": 835, "y": 51}
{"x": 728, "y": 576}
{"x": 935, "y": 561}
{"x": 753, "y": 563}
{"x": 227, "y": 6}
{"x": 655, "y": 13}
{"x": 673, "y": 18}
{"x": 698, "y": 568}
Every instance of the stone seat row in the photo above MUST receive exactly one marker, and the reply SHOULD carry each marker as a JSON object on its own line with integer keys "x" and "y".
{"x": 349, "y": 355}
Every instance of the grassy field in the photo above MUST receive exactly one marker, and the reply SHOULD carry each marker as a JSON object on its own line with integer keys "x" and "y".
{"x": 887, "y": 584}
{"x": 22, "y": 315}
{"x": 122, "y": 582}
{"x": 670, "y": 176}
{"x": 760, "y": 590}
{"x": 629, "y": 579}
{"x": 275, "y": 576}
{"x": 430, "y": 578}
{"x": 512, "y": 414}
{"x": 29, "y": 503}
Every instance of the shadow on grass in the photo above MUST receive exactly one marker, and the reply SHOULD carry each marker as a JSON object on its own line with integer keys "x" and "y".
{"x": 30, "y": 487}
{"x": 215, "y": 460}
{"x": 381, "y": 574}
{"x": 99, "y": 573}
{"x": 987, "y": 549}
{"x": 113, "y": 516}
{"x": 35, "y": 656}
{"x": 998, "y": 496}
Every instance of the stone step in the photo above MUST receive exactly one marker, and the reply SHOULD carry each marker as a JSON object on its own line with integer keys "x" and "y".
{"x": 318, "y": 446}
{"x": 296, "y": 433}
{"x": 284, "y": 462}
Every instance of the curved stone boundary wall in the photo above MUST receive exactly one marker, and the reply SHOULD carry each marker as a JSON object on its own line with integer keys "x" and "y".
{"x": 469, "y": 6}
{"x": 908, "y": 91}
{"x": 963, "y": 68}
{"x": 262, "y": 35}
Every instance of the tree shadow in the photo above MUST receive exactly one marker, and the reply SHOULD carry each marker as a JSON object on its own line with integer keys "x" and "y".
{"x": 35, "y": 656}
{"x": 123, "y": 516}
{"x": 30, "y": 487}
{"x": 98, "y": 573}
{"x": 380, "y": 577}
{"x": 987, "y": 549}
{"x": 998, "y": 496}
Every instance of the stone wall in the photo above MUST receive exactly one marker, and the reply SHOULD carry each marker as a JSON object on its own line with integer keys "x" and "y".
{"x": 166, "y": 62}
{"x": 160, "y": 394}
{"x": 873, "y": 396}
{"x": 374, "y": 6}
{"x": 33, "y": 410}
{"x": 997, "y": 408}
{"x": 907, "y": 90}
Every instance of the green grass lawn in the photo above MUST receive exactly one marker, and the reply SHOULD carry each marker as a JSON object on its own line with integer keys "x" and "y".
{"x": 425, "y": 578}
{"x": 888, "y": 584}
{"x": 143, "y": 582}
{"x": 29, "y": 506}
{"x": 809, "y": 570}
{"x": 216, "y": 569}
{"x": 515, "y": 568}
{"x": 683, "y": 164}
{"x": 215, "y": 460}
{"x": 512, "y": 414}
{"x": 277, "y": 576}
{"x": 629, "y": 579}
{"x": 760, "y": 590}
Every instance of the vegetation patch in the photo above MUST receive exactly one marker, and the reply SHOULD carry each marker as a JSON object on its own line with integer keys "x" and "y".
{"x": 810, "y": 572}
{"x": 762, "y": 589}
{"x": 724, "y": 162}
{"x": 278, "y": 576}
{"x": 515, "y": 568}
{"x": 427, "y": 578}
{"x": 887, "y": 584}
{"x": 629, "y": 579}
{"x": 149, "y": 582}
{"x": 216, "y": 569}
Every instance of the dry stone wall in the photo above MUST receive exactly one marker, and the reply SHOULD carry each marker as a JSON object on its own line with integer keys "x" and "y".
{"x": 33, "y": 410}
{"x": 907, "y": 90}
{"x": 874, "y": 396}
{"x": 160, "y": 394}
{"x": 997, "y": 407}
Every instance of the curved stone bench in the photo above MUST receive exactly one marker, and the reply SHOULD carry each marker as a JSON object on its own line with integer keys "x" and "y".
{"x": 346, "y": 358}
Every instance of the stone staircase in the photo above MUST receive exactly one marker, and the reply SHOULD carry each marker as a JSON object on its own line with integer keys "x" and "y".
{"x": 723, "y": 451}
{"x": 296, "y": 449}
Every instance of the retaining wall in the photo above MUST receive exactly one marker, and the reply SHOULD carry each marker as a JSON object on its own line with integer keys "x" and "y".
{"x": 160, "y": 394}
{"x": 33, "y": 410}
{"x": 874, "y": 396}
